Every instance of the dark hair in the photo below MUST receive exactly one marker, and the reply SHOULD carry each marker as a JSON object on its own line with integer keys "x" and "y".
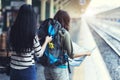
{"x": 22, "y": 33}
{"x": 64, "y": 18}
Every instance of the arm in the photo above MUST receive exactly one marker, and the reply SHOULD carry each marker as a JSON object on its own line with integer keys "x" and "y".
{"x": 78, "y": 51}
{"x": 68, "y": 44}
{"x": 47, "y": 40}
{"x": 37, "y": 47}
{"x": 87, "y": 53}
{"x": 69, "y": 47}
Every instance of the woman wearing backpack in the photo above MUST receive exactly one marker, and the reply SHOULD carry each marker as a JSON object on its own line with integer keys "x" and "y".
{"x": 24, "y": 45}
{"x": 61, "y": 72}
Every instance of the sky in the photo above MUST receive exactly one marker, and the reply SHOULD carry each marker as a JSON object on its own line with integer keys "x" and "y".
{"x": 97, "y": 6}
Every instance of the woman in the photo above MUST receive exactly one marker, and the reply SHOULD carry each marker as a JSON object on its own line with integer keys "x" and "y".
{"x": 24, "y": 45}
{"x": 61, "y": 72}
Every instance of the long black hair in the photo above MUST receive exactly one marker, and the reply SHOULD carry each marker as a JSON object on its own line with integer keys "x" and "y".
{"x": 22, "y": 33}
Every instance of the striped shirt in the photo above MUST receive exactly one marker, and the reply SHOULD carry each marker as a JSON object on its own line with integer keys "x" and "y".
{"x": 26, "y": 60}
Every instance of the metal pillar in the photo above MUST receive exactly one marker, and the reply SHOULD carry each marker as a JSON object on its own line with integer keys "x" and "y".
{"x": 51, "y": 8}
{"x": 28, "y": 2}
{"x": 43, "y": 9}
{"x": 0, "y": 6}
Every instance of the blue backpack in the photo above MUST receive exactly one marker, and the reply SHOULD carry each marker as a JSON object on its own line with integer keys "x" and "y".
{"x": 54, "y": 54}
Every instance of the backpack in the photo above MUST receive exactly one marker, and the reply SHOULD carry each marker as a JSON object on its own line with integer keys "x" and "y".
{"x": 54, "y": 54}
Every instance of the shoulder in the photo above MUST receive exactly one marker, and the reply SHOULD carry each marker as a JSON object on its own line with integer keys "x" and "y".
{"x": 65, "y": 34}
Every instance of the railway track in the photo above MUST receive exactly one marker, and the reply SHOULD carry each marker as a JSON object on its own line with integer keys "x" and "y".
{"x": 109, "y": 45}
{"x": 111, "y": 40}
{"x": 111, "y": 37}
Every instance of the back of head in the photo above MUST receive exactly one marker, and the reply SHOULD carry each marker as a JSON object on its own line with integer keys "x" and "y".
{"x": 23, "y": 30}
{"x": 64, "y": 18}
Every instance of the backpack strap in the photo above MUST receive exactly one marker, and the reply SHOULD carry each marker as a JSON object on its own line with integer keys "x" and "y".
{"x": 61, "y": 32}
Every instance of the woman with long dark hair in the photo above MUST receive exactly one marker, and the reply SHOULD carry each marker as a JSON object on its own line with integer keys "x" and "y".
{"x": 24, "y": 44}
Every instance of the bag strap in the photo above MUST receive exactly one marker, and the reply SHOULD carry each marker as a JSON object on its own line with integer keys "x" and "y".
{"x": 61, "y": 32}
{"x": 68, "y": 65}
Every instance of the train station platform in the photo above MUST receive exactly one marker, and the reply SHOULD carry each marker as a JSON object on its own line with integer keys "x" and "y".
{"x": 93, "y": 68}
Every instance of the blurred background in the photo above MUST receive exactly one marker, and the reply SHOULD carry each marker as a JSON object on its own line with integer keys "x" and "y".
{"x": 94, "y": 23}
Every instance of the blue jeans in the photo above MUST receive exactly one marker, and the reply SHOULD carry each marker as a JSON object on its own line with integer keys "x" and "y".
{"x": 24, "y": 74}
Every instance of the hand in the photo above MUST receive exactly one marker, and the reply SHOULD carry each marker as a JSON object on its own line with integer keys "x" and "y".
{"x": 48, "y": 39}
{"x": 88, "y": 53}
